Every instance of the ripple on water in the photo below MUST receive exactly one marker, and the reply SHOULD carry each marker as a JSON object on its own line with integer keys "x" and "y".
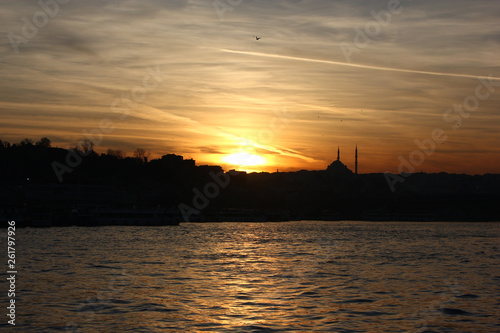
{"x": 357, "y": 300}
{"x": 360, "y": 277}
{"x": 452, "y": 311}
{"x": 469, "y": 296}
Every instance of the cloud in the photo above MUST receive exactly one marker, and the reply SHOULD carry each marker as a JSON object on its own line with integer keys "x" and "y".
{"x": 220, "y": 86}
{"x": 211, "y": 150}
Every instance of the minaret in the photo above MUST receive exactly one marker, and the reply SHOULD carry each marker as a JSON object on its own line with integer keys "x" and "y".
{"x": 356, "y": 161}
{"x": 338, "y": 153}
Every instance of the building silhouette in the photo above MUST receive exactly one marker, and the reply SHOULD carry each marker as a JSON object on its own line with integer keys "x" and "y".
{"x": 356, "y": 161}
{"x": 337, "y": 167}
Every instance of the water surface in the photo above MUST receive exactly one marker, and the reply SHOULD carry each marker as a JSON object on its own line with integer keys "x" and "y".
{"x": 260, "y": 277}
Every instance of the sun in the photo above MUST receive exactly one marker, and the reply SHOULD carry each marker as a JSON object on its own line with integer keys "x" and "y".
{"x": 244, "y": 159}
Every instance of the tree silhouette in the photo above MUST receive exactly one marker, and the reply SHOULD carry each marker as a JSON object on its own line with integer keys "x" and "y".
{"x": 141, "y": 154}
{"x": 26, "y": 142}
{"x": 115, "y": 153}
{"x": 4, "y": 144}
{"x": 43, "y": 143}
{"x": 87, "y": 146}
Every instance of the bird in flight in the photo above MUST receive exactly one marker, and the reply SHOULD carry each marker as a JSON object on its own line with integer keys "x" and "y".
{"x": 257, "y": 37}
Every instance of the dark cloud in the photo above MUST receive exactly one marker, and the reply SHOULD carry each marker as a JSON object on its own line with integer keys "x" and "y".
{"x": 210, "y": 150}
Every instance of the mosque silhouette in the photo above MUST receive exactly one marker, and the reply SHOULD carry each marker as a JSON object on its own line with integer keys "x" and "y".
{"x": 337, "y": 167}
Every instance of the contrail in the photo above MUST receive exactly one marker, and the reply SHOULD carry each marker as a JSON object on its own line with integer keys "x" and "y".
{"x": 379, "y": 68}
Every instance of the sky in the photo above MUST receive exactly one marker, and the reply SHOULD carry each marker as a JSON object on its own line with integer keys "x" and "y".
{"x": 415, "y": 85}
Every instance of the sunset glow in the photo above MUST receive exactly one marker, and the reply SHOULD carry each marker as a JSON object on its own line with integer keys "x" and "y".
{"x": 244, "y": 159}
{"x": 175, "y": 77}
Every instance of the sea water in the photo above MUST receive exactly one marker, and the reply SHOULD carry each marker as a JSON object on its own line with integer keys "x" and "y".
{"x": 259, "y": 277}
